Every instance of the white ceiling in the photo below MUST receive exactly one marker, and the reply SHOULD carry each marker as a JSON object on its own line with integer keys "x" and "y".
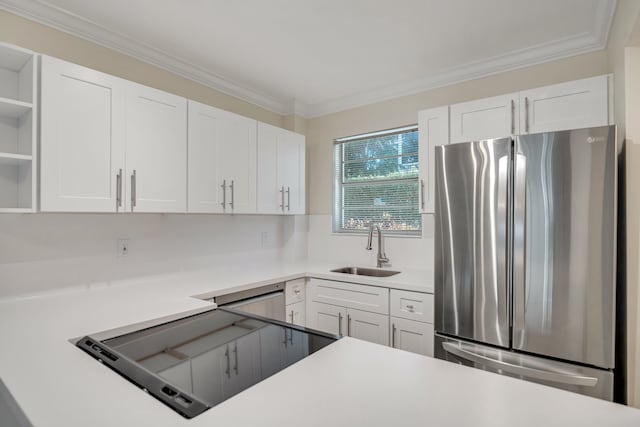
{"x": 314, "y": 57}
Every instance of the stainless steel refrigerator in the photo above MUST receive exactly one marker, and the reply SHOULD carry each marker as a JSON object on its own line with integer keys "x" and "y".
{"x": 525, "y": 246}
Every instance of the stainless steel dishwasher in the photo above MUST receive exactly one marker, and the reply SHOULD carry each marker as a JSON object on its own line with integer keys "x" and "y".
{"x": 267, "y": 301}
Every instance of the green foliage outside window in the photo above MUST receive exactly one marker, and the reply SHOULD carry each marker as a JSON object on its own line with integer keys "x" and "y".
{"x": 377, "y": 181}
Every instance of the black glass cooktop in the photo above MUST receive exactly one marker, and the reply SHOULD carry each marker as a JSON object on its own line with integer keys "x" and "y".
{"x": 194, "y": 363}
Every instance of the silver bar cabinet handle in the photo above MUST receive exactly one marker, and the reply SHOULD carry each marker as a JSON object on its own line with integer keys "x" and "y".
{"x": 422, "y": 193}
{"x": 285, "y": 337}
{"x": 291, "y": 316}
{"x": 232, "y": 195}
{"x": 133, "y": 190}
{"x": 235, "y": 353}
{"x": 288, "y": 198}
{"x": 119, "y": 190}
{"x": 348, "y": 325}
{"x": 339, "y": 323}
{"x": 513, "y": 117}
{"x": 526, "y": 114}
{"x": 393, "y": 335}
{"x": 228, "y": 370}
{"x": 282, "y": 198}
{"x": 224, "y": 194}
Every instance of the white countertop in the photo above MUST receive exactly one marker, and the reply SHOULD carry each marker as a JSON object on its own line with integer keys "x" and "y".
{"x": 349, "y": 383}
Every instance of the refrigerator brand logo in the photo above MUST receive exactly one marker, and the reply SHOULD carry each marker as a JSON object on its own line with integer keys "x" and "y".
{"x": 593, "y": 139}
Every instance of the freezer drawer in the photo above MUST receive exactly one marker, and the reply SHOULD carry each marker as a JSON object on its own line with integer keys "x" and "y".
{"x": 579, "y": 379}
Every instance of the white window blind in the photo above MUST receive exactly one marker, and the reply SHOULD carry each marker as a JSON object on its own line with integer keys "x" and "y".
{"x": 376, "y": 181}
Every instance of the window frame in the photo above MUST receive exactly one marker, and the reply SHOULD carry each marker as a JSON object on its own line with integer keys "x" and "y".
{"x": 338, "y": 185}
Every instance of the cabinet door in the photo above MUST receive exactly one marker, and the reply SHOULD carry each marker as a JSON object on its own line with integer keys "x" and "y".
{"x": 296, "y": 313}
{"x": 433, "y": 126}
{"x": 82, "y": 138}
{"x": 296, "y": 347}
{"x": 327, "y": 318}
{"x": 368, "y": 326}
{"x": 484, "y": 118}
{"x": 204, "y": 152}
{"x": 281, "y": 171}
{"x": 270, "y": 197}
{"x": 245, "y": 364}
{"x": 571, "y": 105}
{"x": 291, "y": 171}
{"x": 237, "y": 162}
{"x": 209, "y": 370}
{"x": 409, "y": 335}
{"x": 156, "y": 150}
{"x": 272, "y": 341}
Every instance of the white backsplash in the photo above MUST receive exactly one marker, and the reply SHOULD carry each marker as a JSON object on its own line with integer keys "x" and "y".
{"x": 48, "y": 252}
{"x": 45, "y": 252}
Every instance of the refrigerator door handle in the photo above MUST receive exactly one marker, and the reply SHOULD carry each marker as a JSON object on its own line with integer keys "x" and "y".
{"x": 519, "y": 245}
{"x": 502, "y": 216}
{"x": 539, "y": 374}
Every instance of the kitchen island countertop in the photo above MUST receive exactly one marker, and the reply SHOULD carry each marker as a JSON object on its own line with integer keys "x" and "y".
{"x": 348, "y": 383}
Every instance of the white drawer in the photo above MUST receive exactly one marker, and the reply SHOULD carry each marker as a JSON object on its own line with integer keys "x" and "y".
{"x": 295, "y": 290}
{"x": 412, "y": 305}
{"x": 350, "y": 295}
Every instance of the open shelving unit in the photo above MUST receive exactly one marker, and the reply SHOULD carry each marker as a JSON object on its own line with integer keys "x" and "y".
{"x": 18, "y": 120}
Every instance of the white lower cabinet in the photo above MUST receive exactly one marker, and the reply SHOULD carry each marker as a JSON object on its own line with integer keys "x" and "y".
{"x": 364, "y": 325}
{"x": 372, "y": 327}
{"x": 409, "y": 335}
{"x": 393, "y": 317}
{"x": 208, "y": 371}
{"x": 226, "y": 370}
{"x": 411, "y": 321}
{"x": 358, "y": 311}
{"x": 296, "y": 313}
{"x": 326, "y": 317}
{"x": 280, "y": 347}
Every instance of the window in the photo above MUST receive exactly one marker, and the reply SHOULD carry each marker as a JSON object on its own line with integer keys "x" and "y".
{"x": 376, "y": 180}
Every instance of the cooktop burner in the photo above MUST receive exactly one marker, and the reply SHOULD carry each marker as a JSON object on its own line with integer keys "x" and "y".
{"x": 196, "y": 362}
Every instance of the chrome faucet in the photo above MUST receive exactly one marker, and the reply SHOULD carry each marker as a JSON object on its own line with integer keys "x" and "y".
{"x": 382, "y": 257}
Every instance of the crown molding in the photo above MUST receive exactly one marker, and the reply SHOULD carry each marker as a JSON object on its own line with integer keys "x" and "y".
{"x": 44, "y": 13}
{"x": 62, "y": 20}
{"x": 534, "y": 55}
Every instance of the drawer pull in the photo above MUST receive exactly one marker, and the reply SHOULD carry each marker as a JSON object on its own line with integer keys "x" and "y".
{"x": 410, "y": 308}
{"x": 296, "y": 291}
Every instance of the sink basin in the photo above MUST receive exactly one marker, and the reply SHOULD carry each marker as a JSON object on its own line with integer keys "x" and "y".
{"x": 361, "y": 271}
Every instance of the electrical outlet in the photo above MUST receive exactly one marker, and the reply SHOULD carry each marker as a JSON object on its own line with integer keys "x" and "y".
{"x": 266, "y": 238}
{"x": 123, "y": 247}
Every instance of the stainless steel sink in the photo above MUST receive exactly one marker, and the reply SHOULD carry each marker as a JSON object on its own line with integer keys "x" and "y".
{"x": 361, "y": 271}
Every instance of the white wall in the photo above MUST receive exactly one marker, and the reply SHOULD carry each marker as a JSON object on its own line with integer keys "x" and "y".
{"x": 403, "y": 252}
{"x": 43, "y": 252}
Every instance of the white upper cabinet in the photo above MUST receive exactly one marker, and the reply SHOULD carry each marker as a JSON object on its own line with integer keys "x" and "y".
{"x": 18, "y": 129}
{"x": 571, "y": 105}
{"x": 222, "y": 161}
{"x": 156, "y": 150}
{"x": 281, "y": 171}
{"x": 433, "y": 125}
{"x": 485, "y": 118}
{"x": 82, "y": 139}
{"x": 110, "y": 145}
